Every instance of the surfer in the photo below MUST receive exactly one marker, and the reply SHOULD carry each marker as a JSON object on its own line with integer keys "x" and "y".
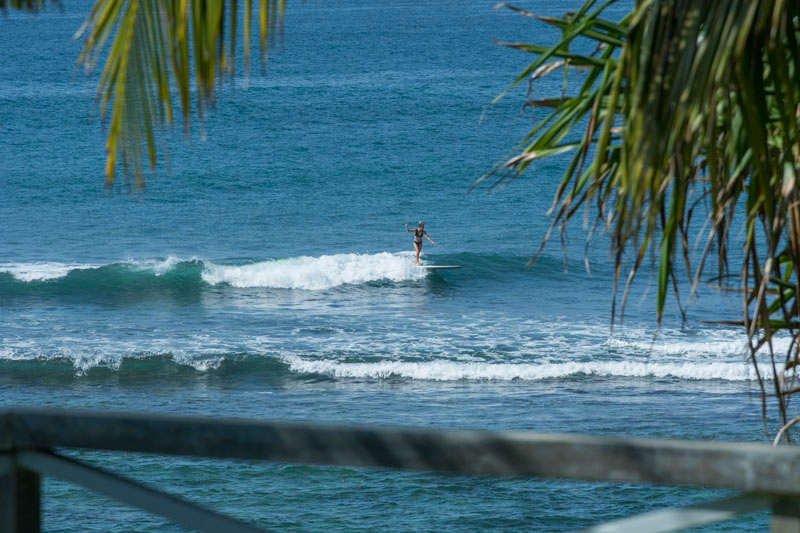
{"x": 418, "y": 233}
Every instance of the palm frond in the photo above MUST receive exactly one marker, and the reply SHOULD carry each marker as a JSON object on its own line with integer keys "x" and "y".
{"x": 687, "y": 100}
{"x": 157, "y": 48}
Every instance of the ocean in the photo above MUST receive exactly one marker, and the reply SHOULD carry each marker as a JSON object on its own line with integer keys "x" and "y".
{"x": 265, "y": 273}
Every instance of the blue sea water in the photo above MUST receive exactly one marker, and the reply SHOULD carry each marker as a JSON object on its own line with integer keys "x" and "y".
{"x": 268, "y": 275}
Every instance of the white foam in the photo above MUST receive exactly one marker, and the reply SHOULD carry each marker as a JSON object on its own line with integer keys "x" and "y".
{"x": 89, "y": 353}
{"x": 41, "y": 271}
{"x": 457, "y": 371}
{"x": 316, "y": 273}
{"x": 501, "y": 353}
{"x": 159, "y": 266}
{"x": 712, "y": 343}
{"x": 51, "y": 270}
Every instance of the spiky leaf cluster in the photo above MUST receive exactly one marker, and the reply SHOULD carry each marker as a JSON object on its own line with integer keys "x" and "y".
{"x": 685, "y": 106}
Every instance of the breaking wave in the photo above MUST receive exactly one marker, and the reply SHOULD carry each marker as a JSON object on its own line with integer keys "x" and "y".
{"x": 316, "y": 273}
{"x": 173, "y": 274}
{"x": 469, "y": 371}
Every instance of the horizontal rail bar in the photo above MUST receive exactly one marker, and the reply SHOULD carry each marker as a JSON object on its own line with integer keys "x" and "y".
{"x": 749, "y": 467}
{"x": 679, "y": 518}
{"x": 131, "y": 492}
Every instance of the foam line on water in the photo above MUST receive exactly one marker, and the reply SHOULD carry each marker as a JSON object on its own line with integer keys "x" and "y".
{"x": 53, "y": 270}
{"x": 41, "y": 271}
{"x": 84, "y": 359}
{"x": 457, "y": 371}
{"x": 721, "y": 343}
{"x": 432, "y": 348}
{"x": 111, "y": 356}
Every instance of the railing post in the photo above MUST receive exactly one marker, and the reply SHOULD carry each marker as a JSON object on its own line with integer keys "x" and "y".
{"x": 20, "y": 497}
{"x": 786, "y": 516}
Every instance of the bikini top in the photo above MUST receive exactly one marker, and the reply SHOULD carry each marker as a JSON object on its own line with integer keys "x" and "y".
{"x": 418, "y": 234}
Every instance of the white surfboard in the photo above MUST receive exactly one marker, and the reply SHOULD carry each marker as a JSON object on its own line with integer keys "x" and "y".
{"x": 440, "y": 267}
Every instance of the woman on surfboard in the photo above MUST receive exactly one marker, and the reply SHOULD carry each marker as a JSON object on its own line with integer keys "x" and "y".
{"x": 418, "y": 233}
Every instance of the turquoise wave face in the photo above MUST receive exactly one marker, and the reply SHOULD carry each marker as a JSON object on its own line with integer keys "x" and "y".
{"x": 115, "y": 281}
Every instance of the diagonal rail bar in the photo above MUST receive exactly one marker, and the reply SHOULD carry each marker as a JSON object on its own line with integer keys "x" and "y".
{"x": 131, "y": 492}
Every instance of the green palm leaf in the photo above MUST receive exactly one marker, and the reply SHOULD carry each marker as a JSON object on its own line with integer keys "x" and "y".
{"x": 156, "y": 49}
{"x": 688, "y": 104}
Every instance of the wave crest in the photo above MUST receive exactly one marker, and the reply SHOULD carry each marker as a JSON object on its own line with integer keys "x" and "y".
{"x": 189, "y": 275}
{"x": 317, "y": 273}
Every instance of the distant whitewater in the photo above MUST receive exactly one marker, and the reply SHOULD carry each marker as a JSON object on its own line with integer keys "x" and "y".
{"x": 467, "y": 371}
{"x": 307, "y": 273}
{"x": 372, "y": 354}
{"x": 157, "y": 364}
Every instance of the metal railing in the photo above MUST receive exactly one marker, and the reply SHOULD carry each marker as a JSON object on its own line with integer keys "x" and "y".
{"x": 769, "y": 477}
